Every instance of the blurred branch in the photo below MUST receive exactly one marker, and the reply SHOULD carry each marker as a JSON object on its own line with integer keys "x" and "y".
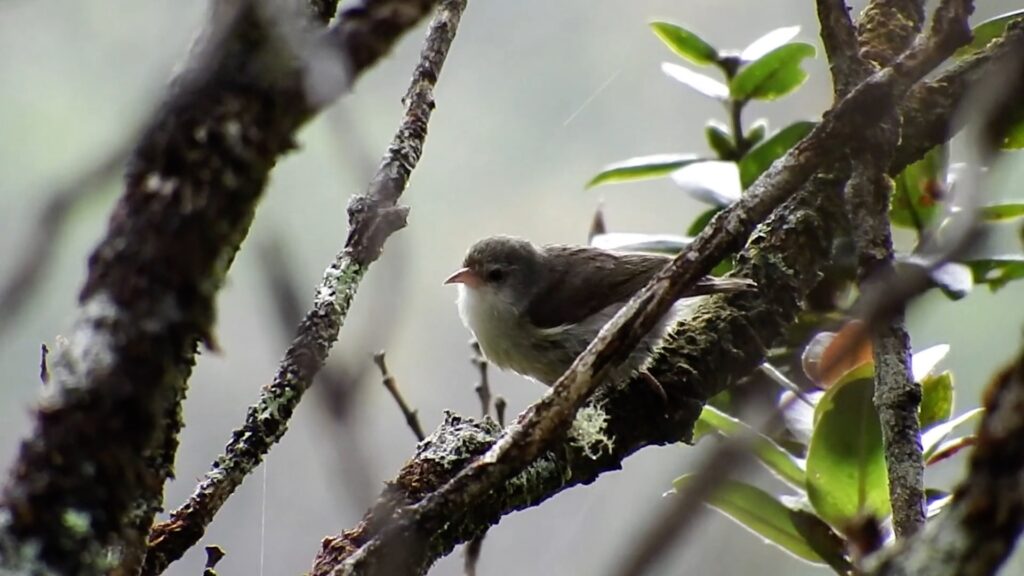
{"x": 389, "y": 382}
{"x": 373, "y": 217}
{"x": 37, "y": 251}
{"x": 106, "y": 435}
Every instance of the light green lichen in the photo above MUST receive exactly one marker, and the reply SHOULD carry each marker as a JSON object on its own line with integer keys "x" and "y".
{"x": 77, "y": 522}
{"x": 588, "y": 431}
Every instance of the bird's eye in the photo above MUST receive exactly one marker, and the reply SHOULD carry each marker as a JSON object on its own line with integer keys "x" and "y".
{"x": 495, "y": 275}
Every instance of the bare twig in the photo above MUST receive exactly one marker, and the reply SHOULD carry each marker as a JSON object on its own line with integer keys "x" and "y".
{"x": 483, "y": 387}
{"x": 978, "y": 530}
{"x": 373, "y": 217}
{"x": 472, "y": 555}
{"x": 411, "y": 418}
{"x": 525, "y": 440}
{"x": 44, "y": 370}
{"x": 499, "y": 409}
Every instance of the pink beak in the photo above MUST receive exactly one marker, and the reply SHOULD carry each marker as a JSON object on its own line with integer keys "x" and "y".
{"x": 464, "y": 276}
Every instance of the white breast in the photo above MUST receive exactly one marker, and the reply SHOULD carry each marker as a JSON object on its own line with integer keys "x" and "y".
{"x": 510, "y": 343}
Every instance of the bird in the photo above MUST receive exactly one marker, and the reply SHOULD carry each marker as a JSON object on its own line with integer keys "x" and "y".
{"x": 534, "y": 309}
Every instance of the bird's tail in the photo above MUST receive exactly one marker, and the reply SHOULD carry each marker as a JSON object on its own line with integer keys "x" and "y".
{"x": 712, "y": 285}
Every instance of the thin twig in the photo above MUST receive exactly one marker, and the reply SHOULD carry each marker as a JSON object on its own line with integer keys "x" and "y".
{"x": 411, "y": 417}
{"x": 499, "y": 409}
{"x": 373, "y": 217}
{"x": 44, "y": 370}
{"x": 979, "y": 528}
{"x": 525, "y": 440}
{"x": 483, "y": 386}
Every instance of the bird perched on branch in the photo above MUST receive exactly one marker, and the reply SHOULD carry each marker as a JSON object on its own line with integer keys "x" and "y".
{"x": 534, "y": 309}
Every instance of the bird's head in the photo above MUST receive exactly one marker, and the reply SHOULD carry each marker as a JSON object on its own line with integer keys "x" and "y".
{"x": 509, "y": 268}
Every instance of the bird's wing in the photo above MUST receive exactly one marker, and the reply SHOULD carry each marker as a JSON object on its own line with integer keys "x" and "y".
{"x": 583, "y": 281}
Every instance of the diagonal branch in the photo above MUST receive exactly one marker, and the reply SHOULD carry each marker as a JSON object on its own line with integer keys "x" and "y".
{"x": 373, "y": 217}
{"x": 413, "y": 530}
{"x": 90, "y": 477}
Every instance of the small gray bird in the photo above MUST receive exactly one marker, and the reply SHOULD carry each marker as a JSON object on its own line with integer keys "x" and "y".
{"x": 535, "y": 309}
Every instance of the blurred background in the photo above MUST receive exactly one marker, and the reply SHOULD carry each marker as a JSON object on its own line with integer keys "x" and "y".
{"x": 534, "y": 99}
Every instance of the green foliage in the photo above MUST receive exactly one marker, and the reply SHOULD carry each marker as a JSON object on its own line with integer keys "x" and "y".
{"x": 641, "y": 168}
{"x": 701, "y": 221}
{"x": 685, "y": 43}
{"x": 846, "y": 473}
{"x": 997, "y": 271}
{"x": 786, "y": 466}
{"x": 755, "y": 162}
{"x": 774, "y": 75}
{"x": 1002, "y": 212}
{"x": 936, "y": 400}
{"x": 918, "y": 190}
{"x": 720, "y": 140}
{"x": 988, "y": 31}
{"x": 834, "y": 461}
{"x": 769, "y": 518}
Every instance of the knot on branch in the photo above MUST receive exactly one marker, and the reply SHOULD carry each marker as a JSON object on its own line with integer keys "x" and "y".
{"x": 370, "y": 224}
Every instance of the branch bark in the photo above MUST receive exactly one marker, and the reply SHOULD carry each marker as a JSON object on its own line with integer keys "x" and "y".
{"x": 373, "y": 217}
{"x": 90, "y": 476}
{"x": 887, "y": 27}
{"x": 978, "y": 530}
{"x": 404, "y": 535}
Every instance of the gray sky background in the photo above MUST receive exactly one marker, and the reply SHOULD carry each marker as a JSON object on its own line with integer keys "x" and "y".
{"x": 535, "y": 97}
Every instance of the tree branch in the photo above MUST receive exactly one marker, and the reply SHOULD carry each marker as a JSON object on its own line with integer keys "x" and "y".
{"x": 373, "y": 217}
{"x": 711, "y": 351}
{"x": 413, "y": 530}
{"x": 977, "y": 531}
{"x": 91, "y": 474}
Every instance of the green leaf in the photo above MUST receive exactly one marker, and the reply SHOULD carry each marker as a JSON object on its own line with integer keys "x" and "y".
{"x": 775, "y": 74}
{"x": 997, "y": 271}
{"x": 720, "y": 140}
{"x": 768, "y": 42}
{"x": 755, "y": 162}
{"x": 918, "y": 189}
{"x": 846, "y": 473}
{"x": 713, "y": 181}
{"x": 633, "y": 242}
{"x": 761, "y": 513}
{"x": 988, "y": 31}
{"x": 936, "y": 400}
{"x": 685, "y": 43}
{"x": 703, "y": 84}
{"x": 642, "y": 168}
{"x": 955, "y": 279}
{"x": 786, "y": 466}
{"x": 1014, "y": 137}
{"x": 1001, "y": 212}
{"x": 923, "y": 362}
{"x": 757, "y": 132}
{"x": 701, "y": 221}
{"x": 932, "y": 438}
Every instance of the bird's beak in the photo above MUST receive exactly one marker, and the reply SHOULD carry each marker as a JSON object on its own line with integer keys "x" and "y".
{"x": 464, "y": 276}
